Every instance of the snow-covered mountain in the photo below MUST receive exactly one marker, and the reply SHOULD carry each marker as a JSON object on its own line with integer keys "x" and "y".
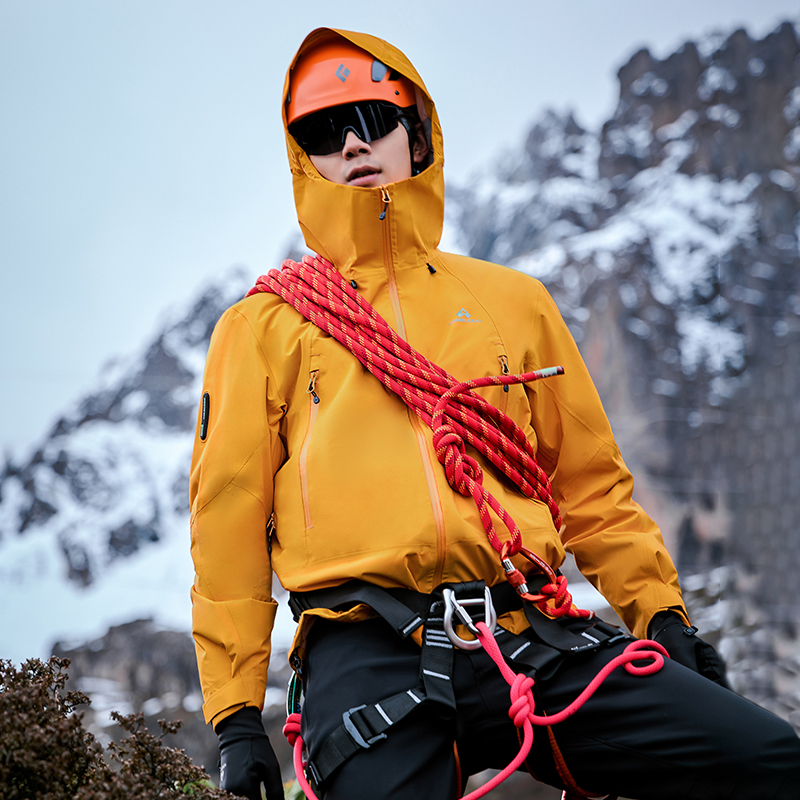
{"x": 669, "y": 239}
{"x": 687, "y": 193}
{"x": 94, "y": 524}
{"x": 674, "y": 228}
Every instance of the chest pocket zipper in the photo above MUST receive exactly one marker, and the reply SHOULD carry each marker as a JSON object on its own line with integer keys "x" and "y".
{"x": 504, "y": 370}
{"x": 312, "y": 385}
{"x": 313, "y": 408}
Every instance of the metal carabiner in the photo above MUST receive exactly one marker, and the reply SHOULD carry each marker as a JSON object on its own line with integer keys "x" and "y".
{"x": 452, "y": 603}
{"x": 294, "y": 695}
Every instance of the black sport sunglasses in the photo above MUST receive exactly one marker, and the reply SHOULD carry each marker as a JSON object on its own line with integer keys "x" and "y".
{"x": 324, "y": 132}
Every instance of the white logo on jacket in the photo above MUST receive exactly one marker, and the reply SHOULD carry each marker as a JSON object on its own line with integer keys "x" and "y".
{"x": 464, "y": 316}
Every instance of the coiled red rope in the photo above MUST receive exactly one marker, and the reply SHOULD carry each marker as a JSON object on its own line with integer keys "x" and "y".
{"x": 456, "y": 414}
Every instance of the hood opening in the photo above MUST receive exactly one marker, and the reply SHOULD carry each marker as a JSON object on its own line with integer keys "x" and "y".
{"x": 396, "y": 62}
{"x": 341, "y": 222}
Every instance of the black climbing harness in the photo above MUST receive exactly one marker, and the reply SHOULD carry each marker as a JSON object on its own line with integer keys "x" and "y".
{"x": 541, "y": 651}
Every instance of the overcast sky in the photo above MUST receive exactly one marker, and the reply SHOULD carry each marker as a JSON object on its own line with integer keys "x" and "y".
{"x": 141, "y": 149}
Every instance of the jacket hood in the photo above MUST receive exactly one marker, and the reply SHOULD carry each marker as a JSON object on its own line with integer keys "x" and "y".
{"x": 343, "y": 223}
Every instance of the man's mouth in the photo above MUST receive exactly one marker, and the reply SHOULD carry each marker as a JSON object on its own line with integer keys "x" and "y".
{"x": 360, "y": 174}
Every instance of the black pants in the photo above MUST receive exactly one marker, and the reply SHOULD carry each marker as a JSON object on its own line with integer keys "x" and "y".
{"x": 670, "y": 735}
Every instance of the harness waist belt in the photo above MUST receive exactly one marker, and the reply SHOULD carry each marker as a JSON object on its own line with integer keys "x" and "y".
{"x": 405, "y": 611}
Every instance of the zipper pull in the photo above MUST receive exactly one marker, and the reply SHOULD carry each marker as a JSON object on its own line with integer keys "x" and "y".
{"x": 504, "y": 368}
{"x": 270, "y": 532}
{"x": 386, "y": 200}
{"x": 312, "y": 386}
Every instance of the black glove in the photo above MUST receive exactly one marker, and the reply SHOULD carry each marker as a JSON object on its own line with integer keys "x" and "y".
{"x": 686, "y": 647}
{"x": 246, "y": 757}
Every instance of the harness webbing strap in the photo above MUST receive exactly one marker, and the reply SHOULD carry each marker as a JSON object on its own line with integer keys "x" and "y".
{"x": 361, "y": 728}
{"x": 436, "y": 660}
{"x": 403, "y": 619}
{"x": 364, "y": 725}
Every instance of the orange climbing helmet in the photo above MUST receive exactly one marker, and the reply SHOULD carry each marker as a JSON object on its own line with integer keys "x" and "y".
{"x": 336, "y": 72}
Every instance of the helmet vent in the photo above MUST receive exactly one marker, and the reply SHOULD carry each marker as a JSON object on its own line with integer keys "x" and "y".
{"x": 379, "y": 70}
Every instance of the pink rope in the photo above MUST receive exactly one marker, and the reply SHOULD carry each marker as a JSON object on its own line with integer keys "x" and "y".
{"x": 291, "y": 730}
{"x": 522, "y": 706}
{"x": 521, "y": 710}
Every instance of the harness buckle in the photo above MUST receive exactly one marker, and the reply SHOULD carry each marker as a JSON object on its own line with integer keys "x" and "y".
{"x": 453, "y": 604}
{"x": 351, "y": 728}
{"x": 311, "y": 769}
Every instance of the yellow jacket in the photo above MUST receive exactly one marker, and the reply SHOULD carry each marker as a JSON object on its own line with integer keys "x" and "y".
{"x": 353, "y": 479}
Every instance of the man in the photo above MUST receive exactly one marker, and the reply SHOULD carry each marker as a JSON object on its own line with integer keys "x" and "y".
{"x": 379, "y": 550}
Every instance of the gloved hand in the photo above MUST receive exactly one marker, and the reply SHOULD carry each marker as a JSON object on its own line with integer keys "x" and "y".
{"x": 246, "y": 757}
{"x": 686, "y": 647}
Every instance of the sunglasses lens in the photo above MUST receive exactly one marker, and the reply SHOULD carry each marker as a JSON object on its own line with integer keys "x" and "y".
{"x": 316, "y": 135}
{"x": 324, "y": 132}
{"x": 380, "y": 119}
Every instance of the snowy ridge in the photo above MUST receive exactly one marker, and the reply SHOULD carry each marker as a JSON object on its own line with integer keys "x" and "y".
{"x": 94, "y": 529}
{"x": 669, "y": 207}
{"x": 688, "y": 223}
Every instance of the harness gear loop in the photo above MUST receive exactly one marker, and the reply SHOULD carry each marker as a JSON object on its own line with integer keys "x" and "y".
{"x": 294, "y": 695}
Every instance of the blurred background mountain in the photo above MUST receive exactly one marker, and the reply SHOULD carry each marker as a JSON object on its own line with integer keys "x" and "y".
{"x": 669, "y": 239}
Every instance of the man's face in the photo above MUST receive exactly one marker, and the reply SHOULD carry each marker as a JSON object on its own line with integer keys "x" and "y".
{"x": 384, "y": 160}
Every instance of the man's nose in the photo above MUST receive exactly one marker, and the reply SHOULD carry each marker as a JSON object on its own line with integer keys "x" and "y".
{"x": 354, "y": 146}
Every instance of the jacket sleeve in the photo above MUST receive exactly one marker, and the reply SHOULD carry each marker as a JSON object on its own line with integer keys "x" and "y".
{"x": 231, "y": 490}
{"x": 615, "y": 543}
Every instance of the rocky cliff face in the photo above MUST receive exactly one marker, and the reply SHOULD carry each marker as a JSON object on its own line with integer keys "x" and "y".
{"x": 670, "y": 241}
{"x": 120, "y": 455}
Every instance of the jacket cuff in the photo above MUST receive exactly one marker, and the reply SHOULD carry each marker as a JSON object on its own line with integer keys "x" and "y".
{"x": 229, "y": 698}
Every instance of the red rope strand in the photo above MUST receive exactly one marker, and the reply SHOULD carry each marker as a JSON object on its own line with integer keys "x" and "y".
{"x": 458, "y": 417}
{"x": 456, "y": 414}
{"x": 523, "y": 704}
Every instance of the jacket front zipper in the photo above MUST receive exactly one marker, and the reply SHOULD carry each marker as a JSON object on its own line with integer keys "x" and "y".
{"x": 428, "y": 464}
{"x": 313, "y": 407}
